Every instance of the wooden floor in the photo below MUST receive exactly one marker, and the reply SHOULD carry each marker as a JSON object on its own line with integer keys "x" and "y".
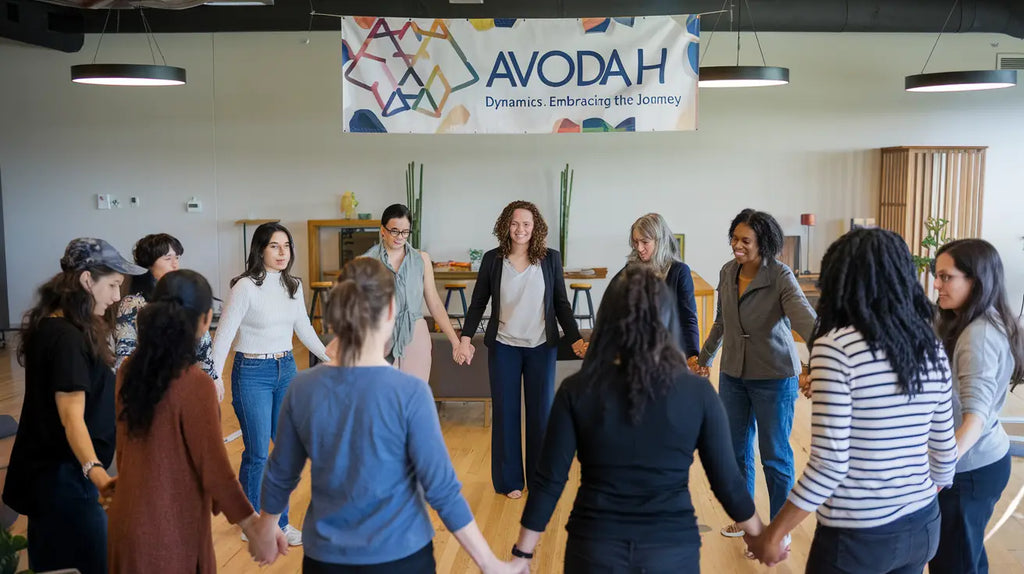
{"x": 469, "y": 444}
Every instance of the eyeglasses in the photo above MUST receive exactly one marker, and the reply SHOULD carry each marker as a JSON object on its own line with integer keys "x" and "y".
{"x": 396, "y": 233}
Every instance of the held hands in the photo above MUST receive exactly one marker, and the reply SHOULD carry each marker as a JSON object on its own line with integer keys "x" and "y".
{"x": 515, "y": 566}
{"x": 580, "y": 348}
{"x": 463, "y": 353}
{"x": 768, "y": 548}
{"x": 104, "y": 483}
{"x": 805, "y": 384}
{"x": 697, "y": 369}
{"x": 266, "y": 540}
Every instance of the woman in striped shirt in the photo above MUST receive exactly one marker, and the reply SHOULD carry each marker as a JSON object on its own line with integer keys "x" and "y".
{"x": 882, "y": 421}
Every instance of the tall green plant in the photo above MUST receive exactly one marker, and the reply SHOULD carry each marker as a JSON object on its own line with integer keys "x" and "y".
{"x": 564, "y": 203}
{"x": 935, "y": 238}
{"x": 414, "y": 201}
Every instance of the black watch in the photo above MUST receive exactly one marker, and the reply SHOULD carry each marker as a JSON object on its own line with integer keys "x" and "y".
{"x": 520, "y": 554}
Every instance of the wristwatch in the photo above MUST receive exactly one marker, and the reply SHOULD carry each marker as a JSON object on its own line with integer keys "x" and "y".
{"x": 520, "y": 554}
{"x": 89, "y": 466}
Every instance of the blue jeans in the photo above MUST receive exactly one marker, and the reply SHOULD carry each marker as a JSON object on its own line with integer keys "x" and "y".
{"x": 419, "y": 562}
{"x": 69, "y": 528}
{"x": 901, "y": 547}
{"x": 764, "y": 406}
{"x": 586, "y": 556}
{"x": 514, "y": 370}
{"x": 966, "y": 509}
{"x": 257, "y": 391}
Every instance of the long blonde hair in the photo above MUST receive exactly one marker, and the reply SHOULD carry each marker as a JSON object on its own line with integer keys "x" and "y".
{"x": 654, "y": 227}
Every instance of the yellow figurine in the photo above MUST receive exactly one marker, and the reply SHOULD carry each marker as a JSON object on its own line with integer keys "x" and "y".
{"x": 349, "y": 205}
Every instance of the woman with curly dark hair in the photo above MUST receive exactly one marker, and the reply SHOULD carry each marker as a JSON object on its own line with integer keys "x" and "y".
{"x": 759, "y": 305}
{"x": 522, "y": 280}
{"x": 634, "y": 416}
{"x": 881, "y": 425}
{"x": 66, "y": 433}
{"x": 175, "y": 470}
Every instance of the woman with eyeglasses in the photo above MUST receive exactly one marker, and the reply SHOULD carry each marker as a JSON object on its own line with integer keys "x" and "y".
{"x": 409, "y": 348}
{"x": 986, "y": 350}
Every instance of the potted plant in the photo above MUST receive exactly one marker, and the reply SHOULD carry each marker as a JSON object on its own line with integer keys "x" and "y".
{"x": 10, "y": 548}
{"x": 936, "y": 238}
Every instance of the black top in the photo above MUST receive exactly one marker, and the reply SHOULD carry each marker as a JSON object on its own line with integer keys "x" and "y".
{"x": 58, "y": 360}
{"x": 680, "y": 284}
{"x": 635, "y": 478}
{"x": 557, "y": 310}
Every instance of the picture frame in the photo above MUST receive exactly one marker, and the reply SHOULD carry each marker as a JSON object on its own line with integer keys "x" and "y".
{"x": 681, "y": 239}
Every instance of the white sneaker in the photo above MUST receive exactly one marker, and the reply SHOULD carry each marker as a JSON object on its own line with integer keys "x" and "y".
{"x": 294, "y": 535}
{"x": 244, "y": 538}
{"x": 732, "y": 531}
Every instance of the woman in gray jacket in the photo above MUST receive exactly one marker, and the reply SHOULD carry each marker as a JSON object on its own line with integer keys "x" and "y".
{"x": 759, "y": 305}
{"x": 986, "y": 349}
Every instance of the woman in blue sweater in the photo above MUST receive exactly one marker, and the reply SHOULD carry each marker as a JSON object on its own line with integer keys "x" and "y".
{"x": 374, "y": 441}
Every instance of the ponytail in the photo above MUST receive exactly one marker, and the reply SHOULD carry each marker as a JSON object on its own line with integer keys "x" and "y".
{"x": 364, "y": 291}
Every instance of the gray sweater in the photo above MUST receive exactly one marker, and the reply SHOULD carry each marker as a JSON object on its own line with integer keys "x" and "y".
{"x": 756, "y": 328}
{"x": 982, "y": 366}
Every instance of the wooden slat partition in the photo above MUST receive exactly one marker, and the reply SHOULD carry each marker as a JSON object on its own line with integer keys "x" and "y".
{"x": 940, "y": 182}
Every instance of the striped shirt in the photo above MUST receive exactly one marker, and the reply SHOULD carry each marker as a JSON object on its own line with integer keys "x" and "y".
{"x": 876, "y": 454}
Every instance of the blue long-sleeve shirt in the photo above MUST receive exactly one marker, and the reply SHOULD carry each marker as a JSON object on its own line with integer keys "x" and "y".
{"x": 377, "y": 454}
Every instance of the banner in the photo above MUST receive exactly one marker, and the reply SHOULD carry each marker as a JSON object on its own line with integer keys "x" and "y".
{"x": 575, "y": 75}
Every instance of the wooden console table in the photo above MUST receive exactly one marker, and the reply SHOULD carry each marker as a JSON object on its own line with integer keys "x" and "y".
{"x": 313, "y": 227}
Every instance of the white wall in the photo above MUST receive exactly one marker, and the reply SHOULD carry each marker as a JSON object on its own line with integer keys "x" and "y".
{"x": 257, "y": 133}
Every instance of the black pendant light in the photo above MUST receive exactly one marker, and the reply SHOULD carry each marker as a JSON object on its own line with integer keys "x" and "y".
{"x": 960, "y": 81}
{"x": 740, "y": 76}
{"x": 129, "y": 74}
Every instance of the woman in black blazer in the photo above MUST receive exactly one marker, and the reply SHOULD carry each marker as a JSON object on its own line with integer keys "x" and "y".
{"x": 654, "y": 244}
{"x": 522, "y": 280}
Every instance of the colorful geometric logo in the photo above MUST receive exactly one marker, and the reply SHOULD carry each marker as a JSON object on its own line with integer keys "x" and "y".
{"x": 409, "y": 68}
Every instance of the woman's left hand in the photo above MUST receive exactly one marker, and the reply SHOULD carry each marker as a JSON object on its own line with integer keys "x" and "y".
{"x": 580, "y": 348}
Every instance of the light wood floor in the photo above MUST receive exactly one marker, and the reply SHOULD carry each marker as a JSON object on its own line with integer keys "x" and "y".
{"x": 469, "y": 444}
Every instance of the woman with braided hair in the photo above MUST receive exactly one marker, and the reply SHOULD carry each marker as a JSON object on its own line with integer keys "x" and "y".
{"x": 634, "y": 415}
{"x": 882, "y": 425}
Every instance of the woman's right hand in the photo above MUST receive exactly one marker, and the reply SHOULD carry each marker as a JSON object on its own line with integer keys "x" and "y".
{"x": 805, "y": 385}
{"x": 104, "y": 483}
{"x": 515, "y": 566}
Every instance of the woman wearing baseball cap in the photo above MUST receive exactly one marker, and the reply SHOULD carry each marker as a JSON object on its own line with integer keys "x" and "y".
{"x": 66, "y": 434}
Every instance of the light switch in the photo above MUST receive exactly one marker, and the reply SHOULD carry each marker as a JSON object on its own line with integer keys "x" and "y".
{"x": 102, "y": 201}
{"x": 193, "y": 205}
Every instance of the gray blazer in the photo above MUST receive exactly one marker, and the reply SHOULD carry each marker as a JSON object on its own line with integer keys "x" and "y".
{"x": 756, "y": 328}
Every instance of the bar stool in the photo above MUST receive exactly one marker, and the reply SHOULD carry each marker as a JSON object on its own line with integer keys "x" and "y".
{"x": 451, "y": 288}
{"x": 321, "y": 292}
{"x": 589, "y": 315}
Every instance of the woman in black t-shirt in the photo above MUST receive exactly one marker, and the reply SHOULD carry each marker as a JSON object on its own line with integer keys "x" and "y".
{"x": 66, "y": 434}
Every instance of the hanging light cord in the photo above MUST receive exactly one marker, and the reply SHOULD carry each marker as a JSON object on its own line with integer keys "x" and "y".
{"x": 750, "y": 14}
{"x": 739, "y": 15}
{"x": 151, "y": 38}
{"x": 713, "y": 29}
{"x": 943, "y": 29}
{"x": 102, "y": 32}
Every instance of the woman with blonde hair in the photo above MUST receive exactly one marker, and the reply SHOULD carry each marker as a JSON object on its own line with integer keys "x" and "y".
{"x": 655, "y": 245}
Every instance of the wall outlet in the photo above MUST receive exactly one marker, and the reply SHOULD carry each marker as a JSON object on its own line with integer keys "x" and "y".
{"x": 102, "y": 201}
{"x": 134, "y": 201}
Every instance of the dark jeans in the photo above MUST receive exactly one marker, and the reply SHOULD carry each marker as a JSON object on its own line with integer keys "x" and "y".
{"x": 257, "y": 391}
{"x": 966, "y": 509}
{"x": 765, "y": 406}
{"x": 70, "y": 528}
{"x": 903, "y": 546}
{"x": 586, "y": 556}
{"x": 420, "y": 562}
{"x": 513, "y": 371}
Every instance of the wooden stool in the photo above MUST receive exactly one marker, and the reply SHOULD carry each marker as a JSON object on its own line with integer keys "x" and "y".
{"x": 317, "y": 304}
{"x": 589, "y": 315}
{"x": 451, "y": 288}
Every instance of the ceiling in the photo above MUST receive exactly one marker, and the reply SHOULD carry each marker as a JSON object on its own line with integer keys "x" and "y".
{"x": 61, "y": 24}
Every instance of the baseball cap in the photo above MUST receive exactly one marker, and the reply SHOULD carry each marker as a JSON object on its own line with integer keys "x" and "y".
{"x": 86, "y": 252}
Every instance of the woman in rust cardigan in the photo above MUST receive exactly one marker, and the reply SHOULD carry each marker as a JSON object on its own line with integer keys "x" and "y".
{"x": 174, "y": 470}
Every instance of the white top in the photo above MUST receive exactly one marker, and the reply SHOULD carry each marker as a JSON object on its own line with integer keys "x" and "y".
{"x": 521, "y": 323}
{"x": 264, "y": 318}
{"x": 876, "y": 453}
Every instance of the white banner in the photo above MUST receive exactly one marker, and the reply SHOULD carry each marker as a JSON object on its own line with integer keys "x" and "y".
{"x": 575, "y": 75}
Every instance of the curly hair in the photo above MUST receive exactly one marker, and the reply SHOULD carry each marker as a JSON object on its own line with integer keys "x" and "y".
{"x": 766, "y": 228}
{"x": 538, "y": 241}
{"x": 633, "y": 337}
{"x": 869, "y": 282}
{"x": 166, "y": 346}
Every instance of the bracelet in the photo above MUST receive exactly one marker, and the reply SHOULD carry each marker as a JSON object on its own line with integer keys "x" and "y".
{"x": 520, "y": 554}
{"x": 89, "y": 466}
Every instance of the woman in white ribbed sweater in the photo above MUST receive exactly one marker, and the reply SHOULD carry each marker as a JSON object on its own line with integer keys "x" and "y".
{"x": 266, "y": 306}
